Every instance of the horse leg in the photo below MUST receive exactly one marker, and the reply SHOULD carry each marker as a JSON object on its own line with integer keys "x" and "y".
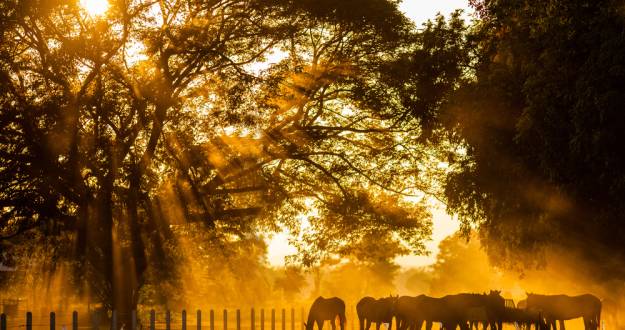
{"x": 320, "y": 324}
{"x": 342, "y": 320}
{"x": 367, "y": 324}
{"x": 361, "y": 321}
{"x": 428, "y": 325}
{"x": 333, "y": 323}
{"x": 561, "y": 325}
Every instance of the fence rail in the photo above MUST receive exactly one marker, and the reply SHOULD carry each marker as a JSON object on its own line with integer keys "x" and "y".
{"x": 161, "y": 321}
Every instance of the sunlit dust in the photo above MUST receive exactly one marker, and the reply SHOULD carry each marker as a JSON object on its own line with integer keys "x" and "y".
{"x": 95, "y": 7}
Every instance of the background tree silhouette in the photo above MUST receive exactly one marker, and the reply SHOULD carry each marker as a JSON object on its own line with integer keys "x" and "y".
{"x": 542, "y": 120}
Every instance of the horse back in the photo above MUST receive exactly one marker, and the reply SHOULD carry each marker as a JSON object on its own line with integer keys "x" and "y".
{"x": 406, "y": 304}
{"x": 567, "y": 307}
{"x": 326, "y": 309}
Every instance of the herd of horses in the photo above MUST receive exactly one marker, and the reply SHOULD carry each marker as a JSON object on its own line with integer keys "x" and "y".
{"x": 464, "y": 310}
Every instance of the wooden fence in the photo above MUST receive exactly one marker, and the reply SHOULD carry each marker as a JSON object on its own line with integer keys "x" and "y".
{"x": 280, "y": 319}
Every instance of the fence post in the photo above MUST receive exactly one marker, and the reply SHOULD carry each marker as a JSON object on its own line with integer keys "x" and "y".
{"x": 184, "y": 319}
{"x": 168, "y": 320}
{"x": 75, "y": 320}
{"x": 29, "y": 321}
{"x": 238, "y": 319}
{"x": 262, "y": 319}
{"x": 133, "y": 316}
{"x": 252, "y": 325}
{"x": 283, "y": 319}
{"x": 95, "y": 320}
{"x": 3, "y": 322}
{"x": 152, "y": 319}
{"x": 114, "y": 320}
{"x": 212, "y": 320}
{"x": 273, "y": 319}
{"x": 301, "y": 312}
{"x": 198, "y": 319}
{"x": 52, "y": 321}
{"x": 225, "y": 319}
{"x": 292, "y": 318}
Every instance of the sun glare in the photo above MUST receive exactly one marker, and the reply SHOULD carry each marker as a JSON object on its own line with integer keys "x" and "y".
{"x": 95, "y": 7}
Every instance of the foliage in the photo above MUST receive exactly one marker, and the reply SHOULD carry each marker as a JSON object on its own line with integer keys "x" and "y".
{"x": 159, "y": 134}
{"x": 542, "y": 119}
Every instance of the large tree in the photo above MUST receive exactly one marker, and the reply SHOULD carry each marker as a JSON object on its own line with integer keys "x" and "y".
{"x": 542, "y": 119}
{"x": 121, "y": 131}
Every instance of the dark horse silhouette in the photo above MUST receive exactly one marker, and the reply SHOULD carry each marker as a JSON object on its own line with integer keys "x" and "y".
{"x": 485, "y": 308}
{"x": 563, "y": 307}
{"x": 376, "y": 310}
{"x": 524, "y": 318}
{"x": 413, "y": 311}
{"x": 407, "y": 313}
{"x": 323, "y": 309}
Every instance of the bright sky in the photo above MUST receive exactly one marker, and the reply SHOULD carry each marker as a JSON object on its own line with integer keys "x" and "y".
{"x": 443, "y": 225}
{"x": 422, "y": 10}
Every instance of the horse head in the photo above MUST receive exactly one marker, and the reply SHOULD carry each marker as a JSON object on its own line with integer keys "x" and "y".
{"x": 496, "y": 300}
{"x": 389, "y": 303}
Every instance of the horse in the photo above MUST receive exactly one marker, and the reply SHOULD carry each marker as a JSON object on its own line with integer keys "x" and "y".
{"x": 376, "y": 310}
{"x": 528, "y": 317}
{"x": 486, "y": 308}
{"x": 524, "y": 318}
{"x": 475, "y": 315}
{"x": 407, "y": 314}
{"x": 441, "y": 310}
{"x": 451, "y": 310}
{"x": 323, "y": 309}
{"x": 563, "y": 307}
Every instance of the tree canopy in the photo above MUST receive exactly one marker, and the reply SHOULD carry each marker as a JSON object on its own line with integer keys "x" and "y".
{"x": 158, "y": 120}
{"x": 542, "y": 121}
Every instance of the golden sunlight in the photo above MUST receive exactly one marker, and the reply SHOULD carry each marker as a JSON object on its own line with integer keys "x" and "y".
{"x": 95, "y": 7}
